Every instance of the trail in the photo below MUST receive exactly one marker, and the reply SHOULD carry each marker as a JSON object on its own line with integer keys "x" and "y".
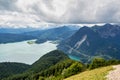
{"x": 114, "y": 74}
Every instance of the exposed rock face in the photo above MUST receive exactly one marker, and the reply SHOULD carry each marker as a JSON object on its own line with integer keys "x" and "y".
{"x": 88, "y": 42}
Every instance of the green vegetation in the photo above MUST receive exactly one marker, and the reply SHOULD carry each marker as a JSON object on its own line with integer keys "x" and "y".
{"x": 61, "y": 70}
{"x": 48, "y": 60}
{"x": 56, "y": 65}
{"x": 10, "y": 68}
{"x": 96, "y": 74}
{"x": 31, "y": 42}
{"x": 97, "y": 62}
{"x": 50, "y": 66}
{"x": 73, "y": 69}
{"x": 100, "y": 62}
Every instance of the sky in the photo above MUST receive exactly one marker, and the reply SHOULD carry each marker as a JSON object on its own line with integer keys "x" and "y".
{"x": 45, "y": 13}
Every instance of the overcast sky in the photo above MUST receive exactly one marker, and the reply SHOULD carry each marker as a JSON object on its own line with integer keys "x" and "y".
{"x": 49, "y": 12}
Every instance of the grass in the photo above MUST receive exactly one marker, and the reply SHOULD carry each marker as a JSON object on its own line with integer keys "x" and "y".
{"x": 96, "y": 74}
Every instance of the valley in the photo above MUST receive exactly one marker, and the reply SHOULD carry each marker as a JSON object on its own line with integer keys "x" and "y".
{"x": 58, "y": 53}
{"x": 59, "y": 39}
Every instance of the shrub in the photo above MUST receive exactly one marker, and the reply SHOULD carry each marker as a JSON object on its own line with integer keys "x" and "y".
{"x": 97, "y": 62}
{"x": 73, "y": 69}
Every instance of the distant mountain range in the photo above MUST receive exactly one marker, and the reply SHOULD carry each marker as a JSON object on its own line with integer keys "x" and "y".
{"x": 96, "y": 41}
{"x": 85, "y": 43}
{"x": 8, "y": 35}
{"x": 59, "y": 33}
{"x": 16, "y": 30}
{"x": 9, "y": 38}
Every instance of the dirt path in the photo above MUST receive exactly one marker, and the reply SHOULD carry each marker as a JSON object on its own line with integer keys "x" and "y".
{"x": 115, "y": 74}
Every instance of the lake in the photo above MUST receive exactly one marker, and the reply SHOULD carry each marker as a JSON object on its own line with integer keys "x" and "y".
{"x": 24, "y": 52}
{"x": 74, "y": 57}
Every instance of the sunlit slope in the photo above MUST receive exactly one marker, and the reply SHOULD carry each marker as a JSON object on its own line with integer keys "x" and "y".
{"x": 96, "y": 74}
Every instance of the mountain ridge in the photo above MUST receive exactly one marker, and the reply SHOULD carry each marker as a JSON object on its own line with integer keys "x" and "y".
{"x": 100, "y": 41}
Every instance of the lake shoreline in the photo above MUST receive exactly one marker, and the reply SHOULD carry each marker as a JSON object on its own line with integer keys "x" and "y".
{"x": 23, "y": 52}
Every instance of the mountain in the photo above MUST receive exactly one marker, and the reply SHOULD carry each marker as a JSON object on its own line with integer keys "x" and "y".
{"x": 108, "y": 30}
{"x": 48, "y": 60}
{"x": 8, "y": 37}
{"x": 20, "y": 34}
{"x": 11, "y": 68}
{"x": 16, "y": 30}
{"x": 54, "y": 65}
{"x": 59, "y": 33}
{"x": 89, "y": 42}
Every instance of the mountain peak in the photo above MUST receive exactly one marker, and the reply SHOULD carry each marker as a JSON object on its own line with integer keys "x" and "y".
{"x": 96, "y": 41}
{"x": 108, "y": 24}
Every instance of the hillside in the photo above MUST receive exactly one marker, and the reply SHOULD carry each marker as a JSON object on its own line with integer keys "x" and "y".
{"x": 16, "y": 30}
{"x": 8, "y": 37}
{"x": 50, "y": 66}
{"x": 89, "y": 42}
{"x": 96, "y": 74}
{"x": 48, "y": 60}
{"x": 59, "y": 33}
{"x": 56, "y": 65}
{"x": 11, "y": 68}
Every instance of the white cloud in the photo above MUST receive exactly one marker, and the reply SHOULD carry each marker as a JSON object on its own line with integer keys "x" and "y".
{"x": 41, "y": 12}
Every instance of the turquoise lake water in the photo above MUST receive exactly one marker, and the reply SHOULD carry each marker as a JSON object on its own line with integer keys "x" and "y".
{"x": 74, "y": 57}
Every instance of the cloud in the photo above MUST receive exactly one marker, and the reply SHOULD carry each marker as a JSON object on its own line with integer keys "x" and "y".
{"x": 110, "y": 12}
{"x": 37, "y": 12}
{"x": 8, "y": 5}
{"x": 95, "y": 11}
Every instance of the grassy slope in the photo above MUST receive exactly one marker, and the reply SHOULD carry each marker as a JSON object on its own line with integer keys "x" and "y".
{"x": 96, "y": 74}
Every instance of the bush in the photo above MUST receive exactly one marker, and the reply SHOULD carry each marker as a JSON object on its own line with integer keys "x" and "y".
{"x": 97, "y": 62}
{"x": 113, "y": 62}
{"x": 73, "y": 69}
